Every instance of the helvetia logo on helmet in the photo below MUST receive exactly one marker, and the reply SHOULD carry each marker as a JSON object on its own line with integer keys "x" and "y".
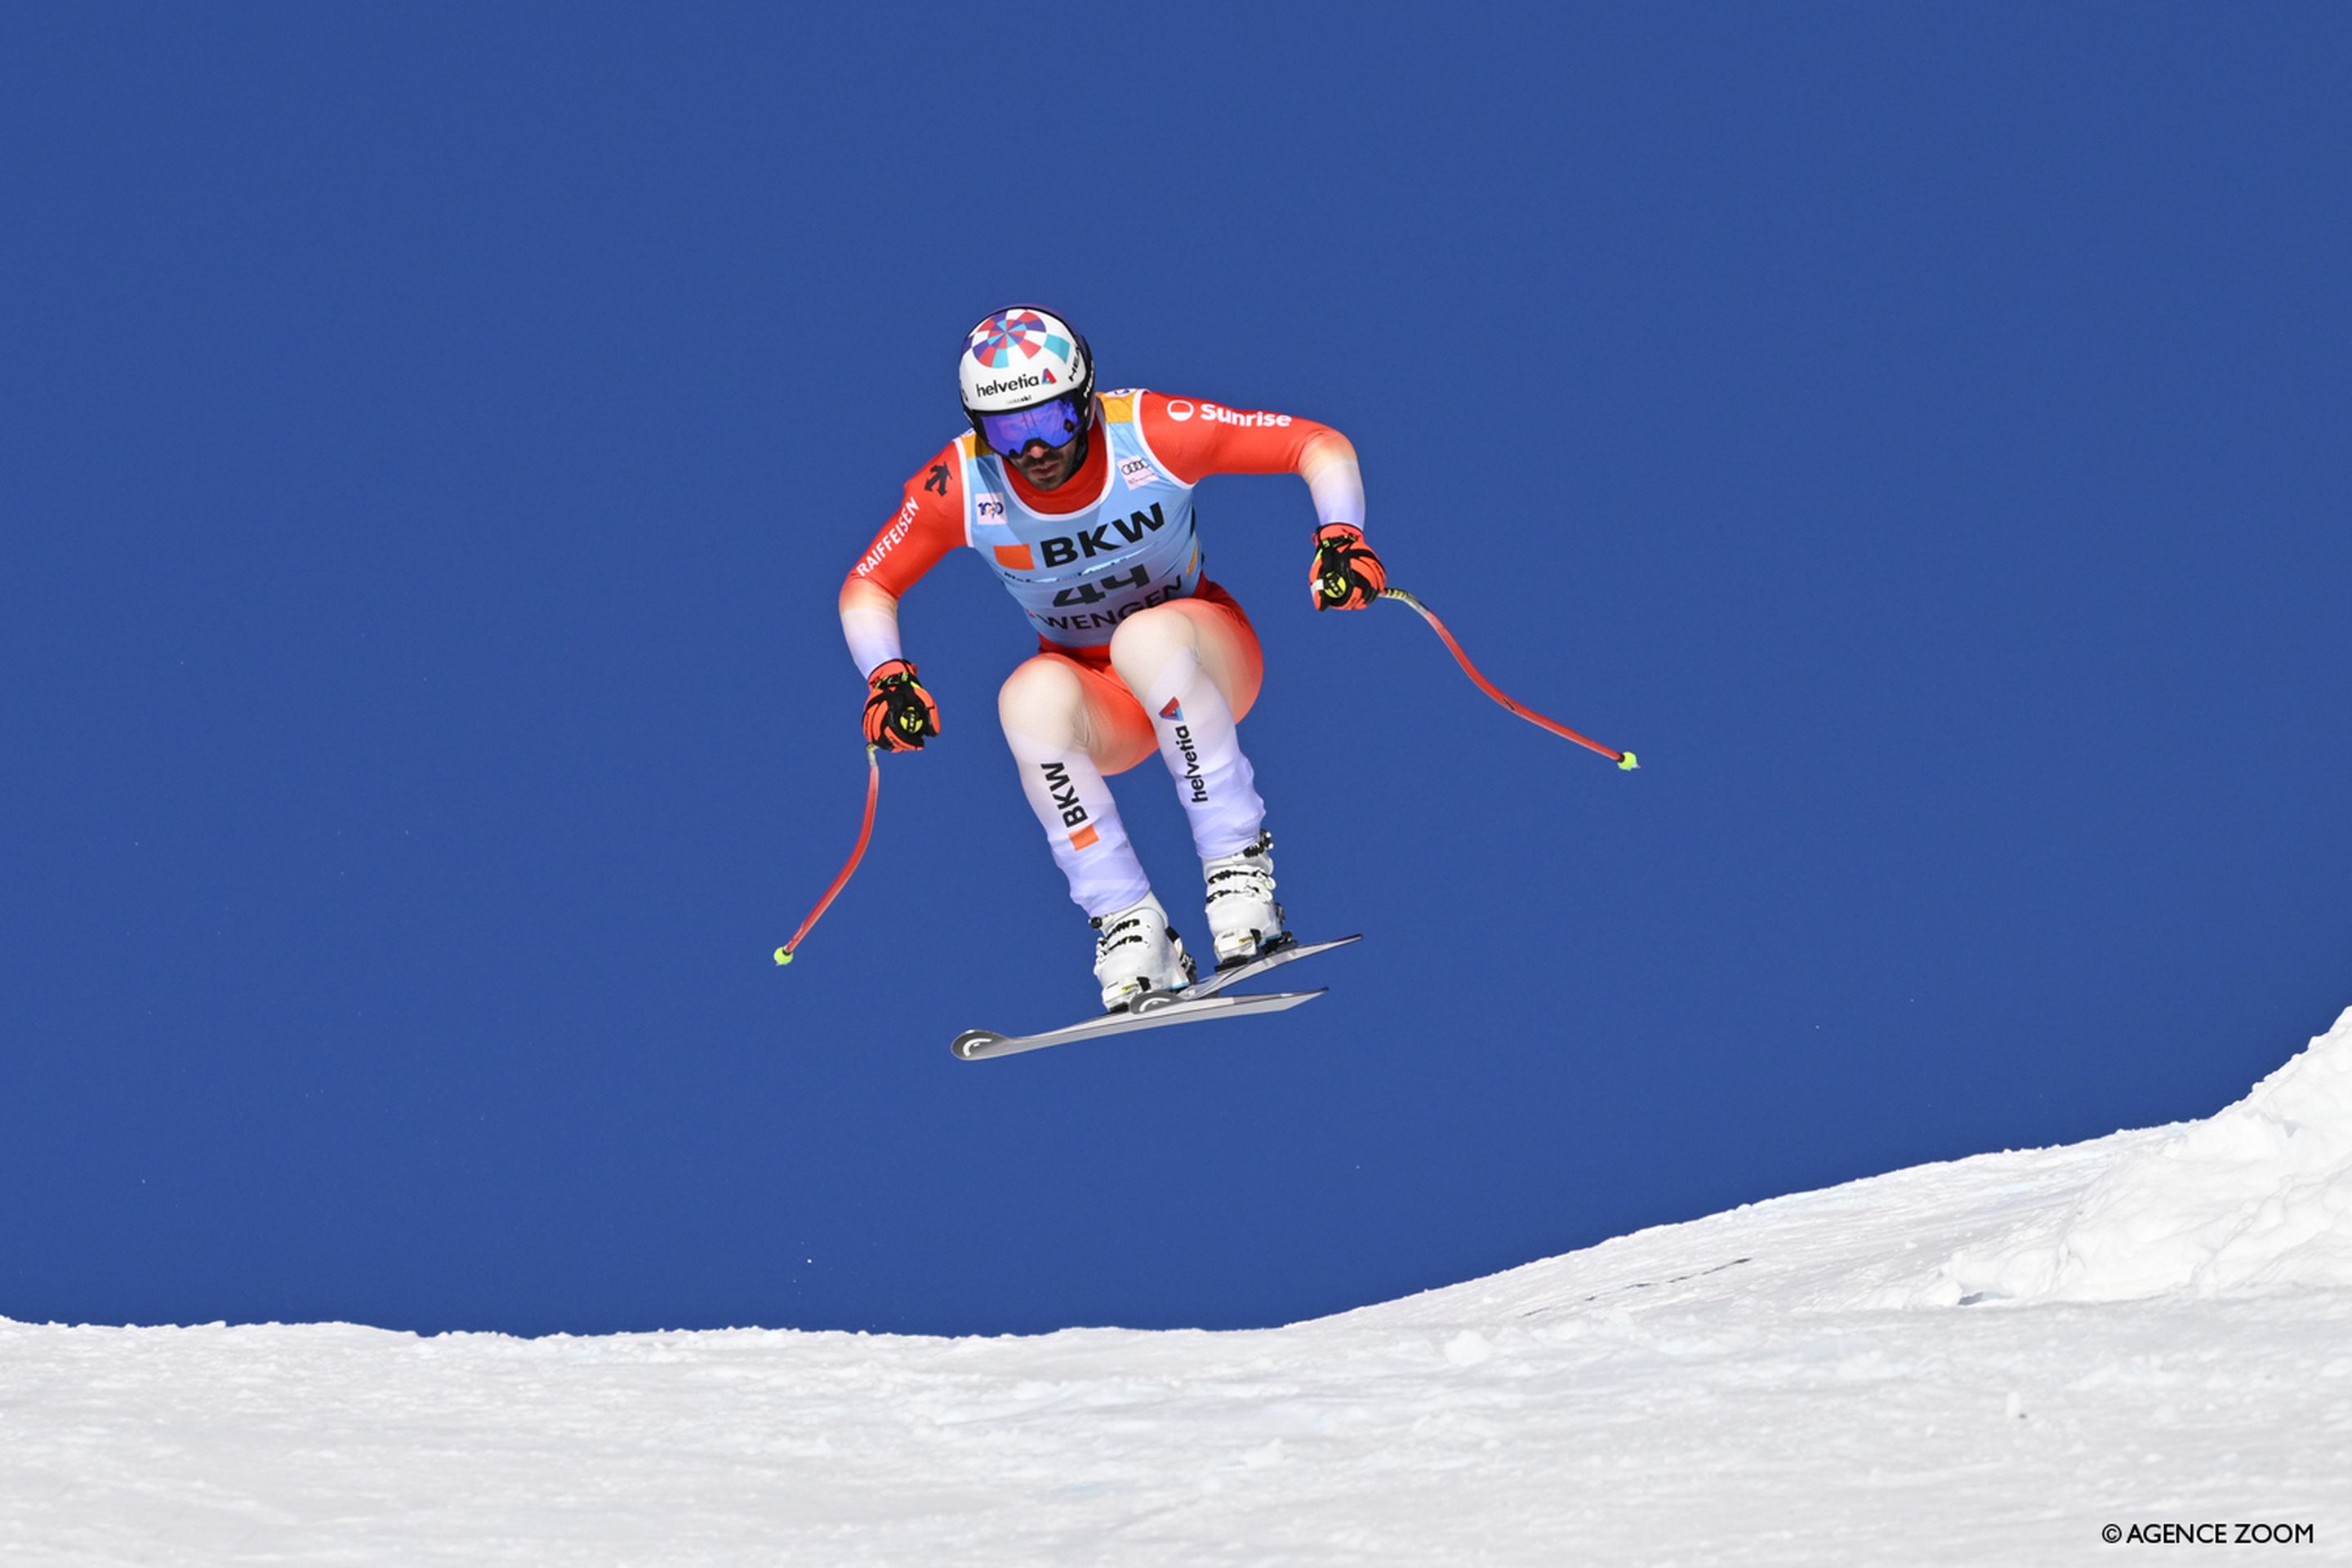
{"x": 1010, "y": 384}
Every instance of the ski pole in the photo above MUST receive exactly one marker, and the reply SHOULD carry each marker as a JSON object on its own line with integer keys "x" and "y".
{"x": 865, "y": 832}
{"x": 1625, "y": 760}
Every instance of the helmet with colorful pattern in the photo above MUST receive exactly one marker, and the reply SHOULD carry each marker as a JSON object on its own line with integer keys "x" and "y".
{"x": 1023, "y": 358}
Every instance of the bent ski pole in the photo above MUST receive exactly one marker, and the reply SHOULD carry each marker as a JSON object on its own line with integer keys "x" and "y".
{"x": 865, "y": 832}
{"x": 1625, "y": 760}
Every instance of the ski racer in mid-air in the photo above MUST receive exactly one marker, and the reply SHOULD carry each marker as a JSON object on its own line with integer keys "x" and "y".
{"x": 1081, "y": 504}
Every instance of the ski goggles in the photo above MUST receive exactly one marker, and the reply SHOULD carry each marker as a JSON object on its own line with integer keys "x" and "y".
{"x": 1053, "y": 422}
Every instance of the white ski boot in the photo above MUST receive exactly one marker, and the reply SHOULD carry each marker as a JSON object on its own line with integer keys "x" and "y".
{"x": 1244, "y": 919}
{"x": 1137, "y": 952}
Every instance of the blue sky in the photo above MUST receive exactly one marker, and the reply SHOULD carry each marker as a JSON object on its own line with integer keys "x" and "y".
{"x": 431, "y": 441}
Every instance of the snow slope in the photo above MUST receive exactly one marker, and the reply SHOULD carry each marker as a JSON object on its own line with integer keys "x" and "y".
{"x": 2158, "y": 1330}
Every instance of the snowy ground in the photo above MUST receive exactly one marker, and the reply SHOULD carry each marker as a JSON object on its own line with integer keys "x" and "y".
{"x": 1984, "y": 1361}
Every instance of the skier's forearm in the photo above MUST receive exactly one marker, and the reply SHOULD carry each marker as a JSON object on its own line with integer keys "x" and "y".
{"x": 869, "y": 623}
{"x": 1327, "y": 463}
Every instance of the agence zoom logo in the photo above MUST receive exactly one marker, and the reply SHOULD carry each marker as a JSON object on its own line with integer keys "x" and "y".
{"x": 1216, "y": 413}
{"x": 2209, "y": 1533}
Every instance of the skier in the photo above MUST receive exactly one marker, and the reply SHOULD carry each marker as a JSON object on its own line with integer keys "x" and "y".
{"x": 1081, "y": 504}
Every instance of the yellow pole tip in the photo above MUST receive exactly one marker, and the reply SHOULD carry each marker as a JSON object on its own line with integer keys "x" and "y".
{"x": 783, "y": 955}
{"x": 1628, "y": 763}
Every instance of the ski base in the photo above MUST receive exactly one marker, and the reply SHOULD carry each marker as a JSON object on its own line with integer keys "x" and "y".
{"x": 1203, "y": 999}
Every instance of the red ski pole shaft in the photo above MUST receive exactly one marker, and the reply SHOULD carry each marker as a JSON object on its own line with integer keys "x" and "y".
{"x": 865, "y": 832}
{"x": 1625, "y": 760}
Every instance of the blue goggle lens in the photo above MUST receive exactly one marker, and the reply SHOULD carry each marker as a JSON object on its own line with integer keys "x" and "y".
{"x": 1055, "y": 423}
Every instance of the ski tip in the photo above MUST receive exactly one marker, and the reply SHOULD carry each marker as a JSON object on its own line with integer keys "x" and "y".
{"x": 1627, "y": 762}
{"x": 970, "y": 1045}
{"x": 784, "y": 956}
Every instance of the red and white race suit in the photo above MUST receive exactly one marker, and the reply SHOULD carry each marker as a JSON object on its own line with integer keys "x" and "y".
{"x": 1138, "y": 651}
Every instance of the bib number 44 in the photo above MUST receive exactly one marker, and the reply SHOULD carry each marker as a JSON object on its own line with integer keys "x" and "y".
{"x": 1096, "y": 593}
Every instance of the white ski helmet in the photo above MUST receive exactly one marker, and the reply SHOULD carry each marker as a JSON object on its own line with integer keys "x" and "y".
{"x": 1022, "y": 356}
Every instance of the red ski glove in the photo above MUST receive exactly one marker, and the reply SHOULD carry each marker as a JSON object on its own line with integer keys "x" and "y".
{"x": 1347, "y": 575}
{"x": 899, "y": 712}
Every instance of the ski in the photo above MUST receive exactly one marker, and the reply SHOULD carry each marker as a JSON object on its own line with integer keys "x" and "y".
{"x": 1203, "y": 999}
{"x": 1223, "y": 978}
{"x": 979, "y": 1044}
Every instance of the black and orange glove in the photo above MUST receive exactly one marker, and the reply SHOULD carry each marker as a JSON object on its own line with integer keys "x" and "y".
{"x": 1347, "y": 575}
{"x": 899, "y": 712}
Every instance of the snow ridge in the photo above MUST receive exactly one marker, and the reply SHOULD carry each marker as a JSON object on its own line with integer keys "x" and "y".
{"x": 2258, "y": 1196}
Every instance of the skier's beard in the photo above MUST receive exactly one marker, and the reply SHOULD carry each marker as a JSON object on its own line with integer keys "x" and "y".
{"x": 1054, "y": 466}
